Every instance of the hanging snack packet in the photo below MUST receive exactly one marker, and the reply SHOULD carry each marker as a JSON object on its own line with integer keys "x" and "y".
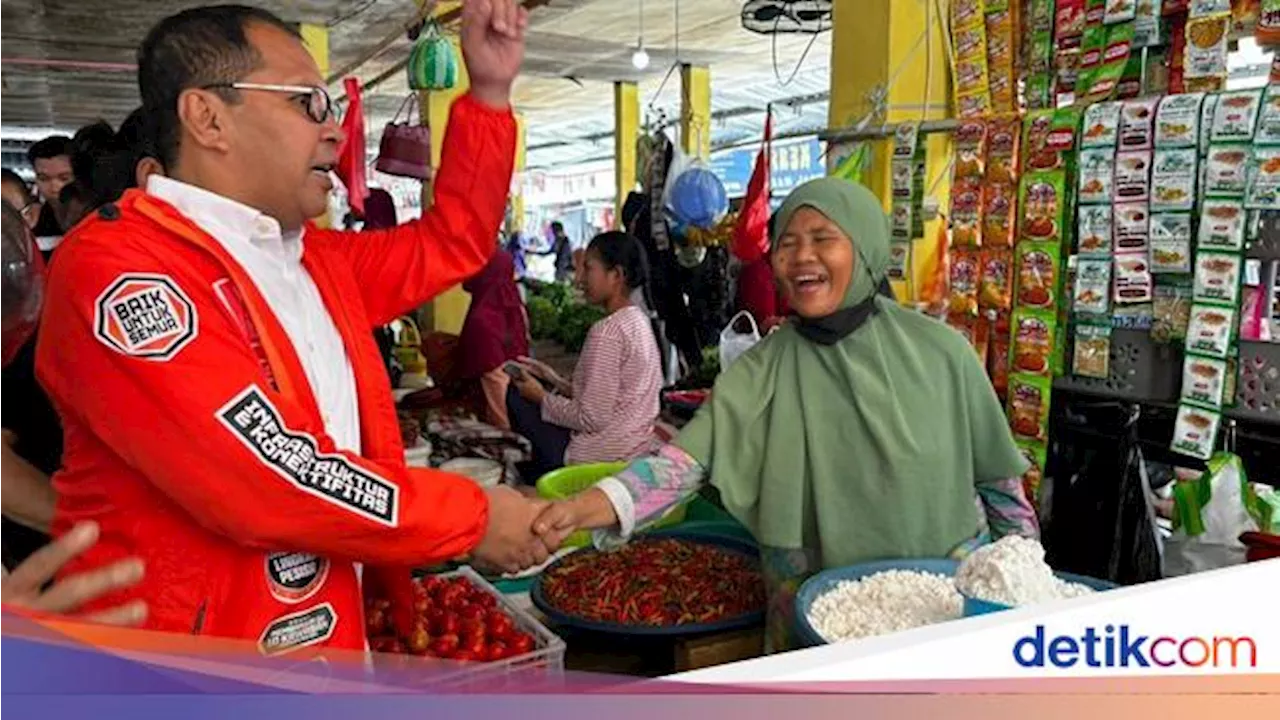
{"x": 1101, "y": 125}
{"x": 899, "y": 260}
{"x": 966, "y": 14}
{"x": 1115, "y": 57}
{"x": 1195, "y": 431}
{"x": 1037, "y": 273}
{"x": 1171, "y": 309}
{"x": 1032, "y": 340}
{"x": 1133, "y": 282}
{"x": 966, "y": 208}
{"x": 1137, "y": 124}
{"x": 1222, "y": 225}
{"x": 1097, "y": 169}
{"x": 1133, "y": 176}
{"x": 1093, "y": 227}
{"x": 1235, "y": 118}
{"x": 900, "y": 220}
{"x": 1208, "y": 111}
{"x": 1171, "y": 243}
{"x": 1227, "y": 170}
{"x": 1178, "y": 120}
{"x": 1036, "y": 453}
{"x": 1209, "y": 330}
{"x": 1042, "y": 205}
{"x": 1029, "y": 406}
{"x": 1091, "y": 356}
{"x": 996, "y": 286}
{"x": 1092, "y": 287}
{"x": 1069, "y": 20}
{"x": 1217, "y": 277}
{"x": 1003, "y": 134}
{"x": 1146, "y": 24}
{"x": 965, "y": 273}
{"x": 1173, "y": 179}
{"x": 1119, "y": 11}
{"x": 1264, "y": 186}
{"x": 1130, "y": 229}
{"x": 998, "y": 359}
{"x": 998, "y": 221}
{"x": 1203, "y": 380}
{"x": 1206, "y": 50}
{"x": 1268, "y": 132}
{"x": 971, "y": 148}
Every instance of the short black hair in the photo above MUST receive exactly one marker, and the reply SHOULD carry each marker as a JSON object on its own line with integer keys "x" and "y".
{"x": 622, "y": 251}
{"x": 9, "y": 177}
{"x": 195, "y": 48}
{"x": 557, "y": 226}
{"x": 50, "y": 147}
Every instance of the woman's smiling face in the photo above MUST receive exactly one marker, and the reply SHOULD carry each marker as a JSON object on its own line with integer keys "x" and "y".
{"x": 813, "y": 261}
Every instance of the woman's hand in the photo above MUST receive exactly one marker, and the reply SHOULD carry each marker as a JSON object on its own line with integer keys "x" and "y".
{"x": 529, "y": 388}
{"x": 22, "y": 588}
{"x": 555, "y": 523}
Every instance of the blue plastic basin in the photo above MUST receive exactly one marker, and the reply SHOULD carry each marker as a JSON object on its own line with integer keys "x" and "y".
{"x": 820, "y": 583}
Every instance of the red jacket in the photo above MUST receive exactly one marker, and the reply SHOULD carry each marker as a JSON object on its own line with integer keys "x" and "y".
{"x": 192, "y": 435}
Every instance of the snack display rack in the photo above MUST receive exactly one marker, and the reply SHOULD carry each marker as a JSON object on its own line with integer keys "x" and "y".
{"x": 1147, "y": 209}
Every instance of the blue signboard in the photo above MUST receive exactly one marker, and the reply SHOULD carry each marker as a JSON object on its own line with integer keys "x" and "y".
{"x": 791, "y": 163}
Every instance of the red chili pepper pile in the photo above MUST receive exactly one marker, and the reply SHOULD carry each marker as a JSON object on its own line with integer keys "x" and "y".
{"x": 659, "y": 582}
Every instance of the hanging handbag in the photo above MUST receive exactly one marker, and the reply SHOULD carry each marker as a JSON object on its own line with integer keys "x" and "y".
{"x": 405, "y": 149}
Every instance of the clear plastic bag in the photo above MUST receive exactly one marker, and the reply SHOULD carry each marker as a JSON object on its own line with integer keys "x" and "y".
{"x": 733, "y": 343}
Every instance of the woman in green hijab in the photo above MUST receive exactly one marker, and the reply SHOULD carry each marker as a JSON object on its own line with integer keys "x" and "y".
{"x": 859, "y": 431}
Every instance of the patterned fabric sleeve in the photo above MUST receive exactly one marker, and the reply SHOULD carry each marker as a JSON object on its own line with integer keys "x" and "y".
{"x": 1007, "y": 509}
{"x": 646, "y": 489}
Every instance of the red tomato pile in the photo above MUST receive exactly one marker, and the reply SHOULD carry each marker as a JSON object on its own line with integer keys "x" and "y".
{"x": 453, "y": 619}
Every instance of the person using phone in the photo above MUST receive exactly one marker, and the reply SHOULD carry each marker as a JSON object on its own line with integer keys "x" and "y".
{"x": 608, "y": 411}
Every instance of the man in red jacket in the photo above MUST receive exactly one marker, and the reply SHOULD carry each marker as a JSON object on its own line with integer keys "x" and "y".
{"x": 226, "y": 412}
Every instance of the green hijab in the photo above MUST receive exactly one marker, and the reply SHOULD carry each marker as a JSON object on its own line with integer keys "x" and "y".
{"x": 864, "y": 449}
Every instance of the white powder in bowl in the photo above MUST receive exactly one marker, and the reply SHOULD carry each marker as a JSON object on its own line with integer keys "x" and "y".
{"x": 885, "y": 602}
{"x": 1012, "y": 571}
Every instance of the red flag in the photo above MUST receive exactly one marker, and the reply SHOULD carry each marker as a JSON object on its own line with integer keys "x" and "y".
{"x": 751, "y": 234}
{"x": 351, "y": 157}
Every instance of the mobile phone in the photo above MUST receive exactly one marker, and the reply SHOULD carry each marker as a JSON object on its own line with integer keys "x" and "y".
{"x": 513, "y": 370}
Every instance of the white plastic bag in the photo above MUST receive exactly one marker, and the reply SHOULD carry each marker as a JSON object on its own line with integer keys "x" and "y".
{"x": 734, "y": 343}
{"x": 1211, "y": 515}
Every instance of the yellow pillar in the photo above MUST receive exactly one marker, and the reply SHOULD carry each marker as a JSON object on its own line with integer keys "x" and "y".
{"x": 316, "y": 40}
{"x": 626, "y": 131}
{"x": 695, "y": 110}
{"x": 880, "y": 64}
{"x": 515, "y": 217}
{"x": 449, "y": 309}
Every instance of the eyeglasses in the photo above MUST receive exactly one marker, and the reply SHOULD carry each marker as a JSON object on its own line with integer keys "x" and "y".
{"x": 315, "y": 100}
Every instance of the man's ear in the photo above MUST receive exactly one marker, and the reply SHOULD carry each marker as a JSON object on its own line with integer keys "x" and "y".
{"x": 205, "y": 119}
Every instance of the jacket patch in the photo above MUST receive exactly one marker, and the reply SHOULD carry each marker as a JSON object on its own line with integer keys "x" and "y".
{"x": 298, "y": 630}
{"x": 294, "y": 576}
{"x": 294, "y": 456}
{"x": 145, "y": 316}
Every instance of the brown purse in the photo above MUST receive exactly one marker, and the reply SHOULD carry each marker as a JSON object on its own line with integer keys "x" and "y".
{"x": 405, "y": 148}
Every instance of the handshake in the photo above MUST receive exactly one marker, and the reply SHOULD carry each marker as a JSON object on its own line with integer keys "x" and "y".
{"x": 523, "y": 532}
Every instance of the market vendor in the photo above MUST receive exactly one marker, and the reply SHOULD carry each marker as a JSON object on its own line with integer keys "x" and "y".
{"x": 227, "y": 416}
{"x": 860, "y": 430}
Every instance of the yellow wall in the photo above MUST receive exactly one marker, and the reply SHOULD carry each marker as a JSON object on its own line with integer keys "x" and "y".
{"x": 876, "y": 44}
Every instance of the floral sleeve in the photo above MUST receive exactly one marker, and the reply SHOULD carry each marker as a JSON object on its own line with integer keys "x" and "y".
{"x": 1007, "y": 509}
{"x": 647, "y": 488}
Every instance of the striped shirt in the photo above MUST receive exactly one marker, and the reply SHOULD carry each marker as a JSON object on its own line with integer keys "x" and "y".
{"x": 615, "y": 391}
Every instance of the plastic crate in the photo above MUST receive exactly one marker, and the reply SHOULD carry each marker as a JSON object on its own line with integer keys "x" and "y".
{"x": 568, "y": 481}
{"x": 544, "y": 663}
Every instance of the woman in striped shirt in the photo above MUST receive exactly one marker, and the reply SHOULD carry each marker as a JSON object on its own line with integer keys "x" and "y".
{"x": 608, "y": 411}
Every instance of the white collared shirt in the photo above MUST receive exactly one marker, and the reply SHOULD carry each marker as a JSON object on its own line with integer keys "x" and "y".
{"x": 273, "y": 261}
